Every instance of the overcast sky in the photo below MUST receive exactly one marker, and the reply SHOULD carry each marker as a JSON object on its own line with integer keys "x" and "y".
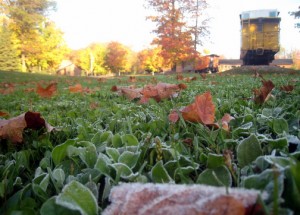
{"x": 87, "y": 21}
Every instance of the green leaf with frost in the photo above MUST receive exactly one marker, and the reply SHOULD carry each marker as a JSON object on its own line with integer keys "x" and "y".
{"x": 248, "y": 150}
{"x": 159, "y": 174}
{"x": 76, "y": 196}
{"x": 60, "y": 151}
{"x": 219, "y": 176}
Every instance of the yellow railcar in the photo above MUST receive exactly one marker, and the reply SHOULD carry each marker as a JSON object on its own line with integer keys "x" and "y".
{"x": 259, "y": 36}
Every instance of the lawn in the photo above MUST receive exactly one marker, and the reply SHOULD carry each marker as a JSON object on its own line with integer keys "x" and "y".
{"x": 101, "y": 138}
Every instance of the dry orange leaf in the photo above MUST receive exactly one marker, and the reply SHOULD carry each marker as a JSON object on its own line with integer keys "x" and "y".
{"x": 114, "y": 88}
{"x": 182, "y": 86}
{"x": 225, "y": 121}
{"x": 12, "y": 129}
{"x": 131, "y": 93}
{"x": 287, "y": 88}
{"x": 189, "y": 79}
{"x": 156, "y": 92}
{"x": 179, "y": 77}
{"x": 132, "y": 79}
{"x": 29, "y": 90}
{"x": 202, "y": 110}
{"x": 47, "y": 92}
{"x": 3, "y": 113}
{"x": 8, "y": 88}
{"x": 262, "y": 95}
{"x": 135, "y": 198}
{"x": 101, "y": 80}
{"x": 76, "y": 88}
{"x": 173, "y": 116}
{"x": 160, "y": 91}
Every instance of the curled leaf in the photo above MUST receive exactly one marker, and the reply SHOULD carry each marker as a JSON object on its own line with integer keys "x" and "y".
{"x": 262, "y": 95}
{"x": 12, "y": 129}
{"x": 225, "y": 121}
{"x": 287, "y": 88}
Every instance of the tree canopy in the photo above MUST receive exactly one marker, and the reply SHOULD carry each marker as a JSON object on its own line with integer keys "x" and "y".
{"x": 177, "y": 35}
{"x": 41, "y": 44}
{"x": 9, "y": 56}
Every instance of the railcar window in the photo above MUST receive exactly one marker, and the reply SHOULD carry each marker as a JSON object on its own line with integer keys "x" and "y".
{"x": 246, "y": 16}
{"x": 273, "y": 13}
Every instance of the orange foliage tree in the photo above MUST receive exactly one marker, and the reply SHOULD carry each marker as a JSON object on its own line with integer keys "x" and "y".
{"x": 174, "y": 34}
{"x": 117, "y": 57}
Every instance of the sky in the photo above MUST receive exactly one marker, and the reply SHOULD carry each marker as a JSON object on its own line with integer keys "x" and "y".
{"x": 86, "y": 21}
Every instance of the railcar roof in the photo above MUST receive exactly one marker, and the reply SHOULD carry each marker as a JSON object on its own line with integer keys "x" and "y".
{"x": 253, "y": 14}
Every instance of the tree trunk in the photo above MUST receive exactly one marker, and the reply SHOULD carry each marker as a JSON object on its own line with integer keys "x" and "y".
{"x": 179, "y": 67}
{"x": 23, "y": 58}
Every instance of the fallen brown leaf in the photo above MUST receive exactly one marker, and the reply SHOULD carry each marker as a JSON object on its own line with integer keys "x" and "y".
{"x": 3, "y": 113}
{"x": 157, "y": 92}
{"x": 76, "y": 88}
{"x": 225, "y": 121}
{"x": 202, "y": 110}
{"x": 131, "y": 93}
{"x": 173, "y": 116}
{"x": 47, "y": 92}
{"x": 262, "y": 95}
{"x": 134, "y": 198}
{"x": 132, "y": 79}
{"x": 12, "y": 129}
{"x": 179, "y": 77}
{"x": 287, "y": 88}
{"x": 7, "y": 88}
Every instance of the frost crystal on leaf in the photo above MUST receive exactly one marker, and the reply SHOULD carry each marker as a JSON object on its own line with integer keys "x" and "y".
{"x": 135, "y": 198}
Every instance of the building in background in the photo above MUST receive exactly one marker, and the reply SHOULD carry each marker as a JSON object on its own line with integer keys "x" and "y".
{"x": 67, "y": 67}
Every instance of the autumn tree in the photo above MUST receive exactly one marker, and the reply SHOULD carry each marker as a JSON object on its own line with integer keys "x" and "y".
{"x": 9, "y": 55}
{"x": 174, "y": 34}
{"x": 48, "y": 49}
{"x": 27, "y": 17}
{"x": 98, "y": 52}
{"x": 117, "y": 57}
{"x": 91, "y": 59}
{"x": 150, "y": 60}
